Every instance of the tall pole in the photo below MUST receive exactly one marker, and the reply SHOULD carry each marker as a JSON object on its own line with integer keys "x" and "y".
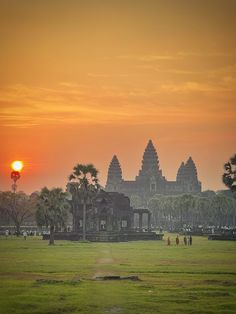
{"x": 84, "y": 220}
{"x": 15, "y": 175}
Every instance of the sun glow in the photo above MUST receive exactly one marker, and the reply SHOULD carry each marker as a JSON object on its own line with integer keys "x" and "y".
{"x": 17, "y": 165}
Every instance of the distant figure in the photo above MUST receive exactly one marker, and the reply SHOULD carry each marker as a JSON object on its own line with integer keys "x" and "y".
{"x": 25, "y": 235}
{"x": 185, "y": 240}
{"x": 190, "y": 240}
{"x": 7, "y": 233}
{"x": 177, "y": 240}
{"x": 168, "y": 241}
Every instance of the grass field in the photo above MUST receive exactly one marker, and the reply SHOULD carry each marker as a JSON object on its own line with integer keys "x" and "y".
{"x": 37, "y": 278}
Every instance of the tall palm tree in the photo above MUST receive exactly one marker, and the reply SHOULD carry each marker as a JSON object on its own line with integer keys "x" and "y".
{"x": 52, "y": 209}
{"x": 83, "y": 186}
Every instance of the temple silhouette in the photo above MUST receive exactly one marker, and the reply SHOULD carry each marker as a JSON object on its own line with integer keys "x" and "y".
{"x": 111, "y": 216}
{"x": 150, "y": 180}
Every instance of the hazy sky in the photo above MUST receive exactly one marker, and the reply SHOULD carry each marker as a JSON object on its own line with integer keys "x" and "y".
{"x": 83, "y": 80}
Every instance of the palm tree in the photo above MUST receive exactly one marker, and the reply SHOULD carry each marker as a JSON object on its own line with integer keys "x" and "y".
{"x": 52, "y": 209}
{"x": 83, "y": 186}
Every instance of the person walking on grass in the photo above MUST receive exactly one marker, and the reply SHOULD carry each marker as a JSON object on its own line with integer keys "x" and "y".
{"x": 25, "y": 235}
{"x": 185, "y": 240}
{"x": 190, "y": 240}
{"x": 7, "y": 233}
{"x": 168, "y": 241}
{"x": 177, "y": 240}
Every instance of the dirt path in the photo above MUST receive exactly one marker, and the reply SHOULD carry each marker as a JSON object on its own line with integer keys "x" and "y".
{"x": 103, "y": 267}
{"x": 104, "y": 263}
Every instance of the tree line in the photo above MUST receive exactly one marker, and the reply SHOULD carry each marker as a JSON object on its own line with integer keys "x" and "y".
{"x": 174, "y": 212}
{"x": 50, "y": 207}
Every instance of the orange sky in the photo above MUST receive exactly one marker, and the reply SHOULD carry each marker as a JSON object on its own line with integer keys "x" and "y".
{"x": 83, "y": 80}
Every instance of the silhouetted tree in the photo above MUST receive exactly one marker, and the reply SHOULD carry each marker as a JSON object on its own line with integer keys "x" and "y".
{"x": 18, "y": 207}
{"x": 83, "y": 186}
{"x": 52, "y": 209}
{"x": 229, "y": 177}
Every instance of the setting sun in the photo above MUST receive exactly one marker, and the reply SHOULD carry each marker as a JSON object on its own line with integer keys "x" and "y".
{"x": 17, "y": 165}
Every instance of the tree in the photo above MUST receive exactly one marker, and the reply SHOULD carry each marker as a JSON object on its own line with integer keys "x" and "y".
{"x": 83, "y": 186}
{"x": 18, "y": 207}
{"x": 193, "y": 210}
{"x": 202, "y": 210}
{"x": 229, "y": 176}
{"x": 136, "y": 201}
{"x": 52, "y": 209}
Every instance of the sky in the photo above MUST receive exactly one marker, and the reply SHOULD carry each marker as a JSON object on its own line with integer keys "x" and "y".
{"x": 82, "y": 80}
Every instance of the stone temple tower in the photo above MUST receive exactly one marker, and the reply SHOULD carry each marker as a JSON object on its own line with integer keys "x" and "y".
{"x": 114, "y": 177}
{"x": 150, "y": 176}
{"x": 187, "y": 177}
{"x": 181, "y": 173}
{"x": 150, "y": 180}
{"x": 150, "y": 162}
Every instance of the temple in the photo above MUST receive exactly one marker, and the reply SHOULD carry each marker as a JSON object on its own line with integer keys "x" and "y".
{"x": 150, "y": 180}
{"x": 109, "y": 218}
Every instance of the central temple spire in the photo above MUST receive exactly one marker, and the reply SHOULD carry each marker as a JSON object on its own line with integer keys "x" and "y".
{"x": 150, "y": 162}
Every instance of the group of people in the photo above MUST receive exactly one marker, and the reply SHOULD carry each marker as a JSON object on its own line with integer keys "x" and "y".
{"x": 24, "y": 233}
{"x": 188, "y": 240}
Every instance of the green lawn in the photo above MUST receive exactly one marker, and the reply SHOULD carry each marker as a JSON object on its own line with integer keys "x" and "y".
{"x": 37, "y": 278}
